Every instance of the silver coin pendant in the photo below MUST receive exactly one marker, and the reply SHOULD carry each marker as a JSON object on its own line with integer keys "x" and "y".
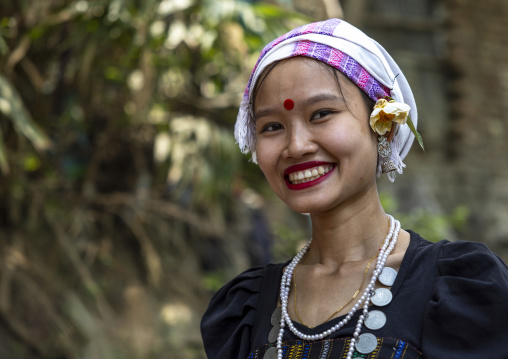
{"x": 366, "y": 343}
{"x": 376, "y": 320}
{"x": 387, "y": 276}
{"x": 381, "y": 297}
{"x": 276, "y": 315}
{"x": 272, "y": 336}
{"x": 271, "y": 353}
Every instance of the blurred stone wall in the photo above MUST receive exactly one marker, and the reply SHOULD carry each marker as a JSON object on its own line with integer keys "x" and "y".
{"x": 478, "y": 91}
{"x": 455, "y": 56}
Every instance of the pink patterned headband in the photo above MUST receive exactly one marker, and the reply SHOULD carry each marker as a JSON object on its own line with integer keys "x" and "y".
{"x": 327, "y": 54}
{"x": 344, "y": 47}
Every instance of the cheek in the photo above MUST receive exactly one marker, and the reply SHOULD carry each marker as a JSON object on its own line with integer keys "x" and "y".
{"x": 264, "y": 154}
{"x": 353, "y": 144}
{"x": 344, "y": 142}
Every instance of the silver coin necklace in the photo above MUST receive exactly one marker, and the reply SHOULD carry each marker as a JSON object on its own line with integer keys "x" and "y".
{"x": 364, "y": 343}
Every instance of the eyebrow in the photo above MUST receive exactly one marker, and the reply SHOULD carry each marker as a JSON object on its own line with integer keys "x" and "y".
{"x": 308, "y": 101}
{"x": 322, "y": 97}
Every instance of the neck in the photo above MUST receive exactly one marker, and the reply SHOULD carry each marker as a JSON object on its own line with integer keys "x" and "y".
{"x": 352, "y": 233}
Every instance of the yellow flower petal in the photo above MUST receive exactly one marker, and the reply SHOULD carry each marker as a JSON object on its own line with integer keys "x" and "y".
{"x": 385, "y": 113}
{"x": 380, "y": 103}
{"x": 383, "y": 127}
{"x": 386, "y": 117}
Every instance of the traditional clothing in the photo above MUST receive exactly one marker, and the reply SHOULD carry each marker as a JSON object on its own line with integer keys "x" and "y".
{"x": 448, "y": 302}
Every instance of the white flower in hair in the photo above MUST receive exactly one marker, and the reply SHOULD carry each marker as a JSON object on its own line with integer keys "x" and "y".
{"x": 385, "y": 113}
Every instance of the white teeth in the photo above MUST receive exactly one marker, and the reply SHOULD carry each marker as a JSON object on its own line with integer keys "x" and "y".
{"x": 309, "y": 175}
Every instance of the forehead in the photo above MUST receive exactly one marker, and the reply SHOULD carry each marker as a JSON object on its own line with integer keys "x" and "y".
{"x": 294, "y": 68}
{"x": 295, "y": 75}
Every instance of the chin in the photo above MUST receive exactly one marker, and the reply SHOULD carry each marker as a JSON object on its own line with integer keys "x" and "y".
{"x": 308, "y": 207}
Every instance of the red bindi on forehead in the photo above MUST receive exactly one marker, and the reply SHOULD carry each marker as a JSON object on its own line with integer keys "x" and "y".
{"x": 289, "y": 104}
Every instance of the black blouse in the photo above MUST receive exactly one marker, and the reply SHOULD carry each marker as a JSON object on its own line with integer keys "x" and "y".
{"x": 450, "y": 300}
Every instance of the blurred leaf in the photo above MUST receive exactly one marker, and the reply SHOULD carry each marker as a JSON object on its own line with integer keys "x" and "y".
{"x": 12, "y": 106}
{"x": 37, "y": 32}
{"x": 4, "y": 165}
{"x": 288, "y": 240}
{"x": 32, "y": 163}
{"x": 213, "y": 281}
{"x": 4, "y": 48}
{"x": 433, "y": 227}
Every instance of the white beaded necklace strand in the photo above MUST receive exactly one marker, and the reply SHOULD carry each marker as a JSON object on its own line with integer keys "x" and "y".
{"x": 388, "y": 245}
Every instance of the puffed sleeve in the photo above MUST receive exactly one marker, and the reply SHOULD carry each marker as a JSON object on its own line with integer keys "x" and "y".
{"x": 227, "y": 324}
{"x": 467, "y": 316}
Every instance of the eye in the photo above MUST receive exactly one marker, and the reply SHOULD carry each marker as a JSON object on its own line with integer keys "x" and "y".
{"x": 271, "y": 127}
{"x": 320, "y": 114}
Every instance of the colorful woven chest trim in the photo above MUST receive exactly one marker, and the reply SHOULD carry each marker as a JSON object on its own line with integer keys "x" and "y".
{"x": 331, "y": 56}
{"x": 387, "y": 348}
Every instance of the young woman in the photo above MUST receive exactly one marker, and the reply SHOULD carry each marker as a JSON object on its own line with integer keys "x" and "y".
{"x": 325, "y": 112}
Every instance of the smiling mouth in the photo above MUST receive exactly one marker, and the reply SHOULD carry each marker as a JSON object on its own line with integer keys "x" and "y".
{"x": 309, "y": 174}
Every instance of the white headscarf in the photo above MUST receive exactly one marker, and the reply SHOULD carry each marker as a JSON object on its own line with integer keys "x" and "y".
{"x": 341, "y": 45}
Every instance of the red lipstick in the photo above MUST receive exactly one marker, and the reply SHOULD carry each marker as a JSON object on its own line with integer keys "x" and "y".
{"x": 302, "y": 167}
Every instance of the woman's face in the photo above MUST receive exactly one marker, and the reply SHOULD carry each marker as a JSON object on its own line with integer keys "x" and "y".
{"x": 321, "y": 153}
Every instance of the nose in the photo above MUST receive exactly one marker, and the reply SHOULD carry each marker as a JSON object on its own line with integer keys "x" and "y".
{"x": 299, "y": 143}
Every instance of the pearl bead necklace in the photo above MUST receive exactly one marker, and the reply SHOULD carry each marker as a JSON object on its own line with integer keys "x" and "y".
{"x": 388, "y": 245}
